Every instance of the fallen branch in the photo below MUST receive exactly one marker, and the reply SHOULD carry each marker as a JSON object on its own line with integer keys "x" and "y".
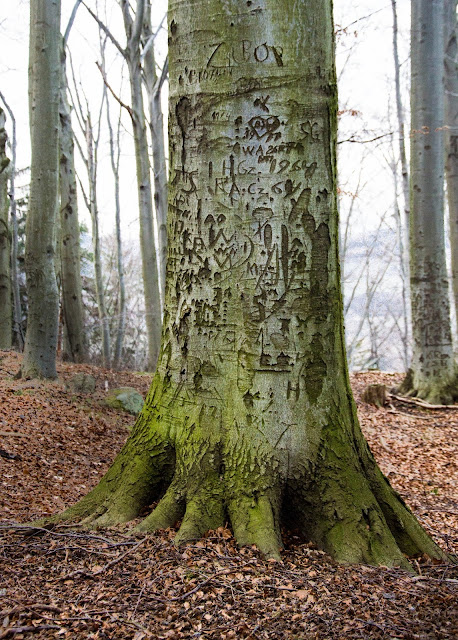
{"x": 14, "y": 434}
{"x": 12, "y": 631}
{"x": 421, "y": 403}
{"x": 81, "y": 572}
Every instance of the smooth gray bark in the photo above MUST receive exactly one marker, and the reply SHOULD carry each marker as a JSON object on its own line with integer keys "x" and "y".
{"x": 43, "y": 296}
{"x": 6, "y": 311}
{"x": 402, "y": 221}
{"x": 451, "y": 138}
{"x": 17, "y": 307}
{"x": 71, "y": 285}
{"x": 132, "y": 54}
{"x": 115, "y": 151}
{"x": 153, "y": 85}
{"x": 91, "y": 159}
{"x": 432, "y": 368}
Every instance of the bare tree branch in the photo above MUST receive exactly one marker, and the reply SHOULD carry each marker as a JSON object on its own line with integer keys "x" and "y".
{"x": 71, "y": 21}
{"x": 106, "y": 30}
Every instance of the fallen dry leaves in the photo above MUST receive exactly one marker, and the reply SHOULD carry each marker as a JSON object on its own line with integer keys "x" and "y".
{"x": 73, "y": 584}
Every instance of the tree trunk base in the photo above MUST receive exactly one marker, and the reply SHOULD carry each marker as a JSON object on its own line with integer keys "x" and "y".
{"x": 442, "y": 391}
{"x": 342, "y": 502}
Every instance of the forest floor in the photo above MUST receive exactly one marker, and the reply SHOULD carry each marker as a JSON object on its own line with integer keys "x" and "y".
{"x": 55, "y": 445}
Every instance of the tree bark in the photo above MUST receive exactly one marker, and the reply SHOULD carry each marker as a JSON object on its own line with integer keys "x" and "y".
{"x": 72, "y": 302}
{"x": 451, "y": 137}
{"x": 6, "y": 311}
{"x": 43, "y": 296}
{"x": 121, "y": 308}
{"x": 92, "y": 146}
{"x": 433, "y": 371}
{"x": 402, "y": 221}
{"x": 250, "y": 415}
{"x": 153, "y": 86}
{"x": 145, "y": 198}
{"x": 17, "y": 308}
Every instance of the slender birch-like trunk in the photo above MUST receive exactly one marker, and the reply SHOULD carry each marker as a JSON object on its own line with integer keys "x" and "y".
{"x": 6, "y": 311}
{"x": 250, "y": 416}
{"x": 153, "y": 85}
{"x": 145, "y": 198}
{"x": 91, "y": 147}
{"x": 44, "y": 90}
{"x": 451, "y": 137}
{"x": 17, "y": 307}
{"x": 432, "y": 375}
{"x": 72, "y": 302}
{"x": 402, "y": 220}
{"x": 121, "y": 308}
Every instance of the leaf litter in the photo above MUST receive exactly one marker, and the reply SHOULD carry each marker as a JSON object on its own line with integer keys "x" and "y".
{"x": 71, "y": 583}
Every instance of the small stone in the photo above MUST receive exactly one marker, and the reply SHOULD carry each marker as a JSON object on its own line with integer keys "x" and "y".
{"x": 125, "y": 398}
{"x": 81, "y": 383}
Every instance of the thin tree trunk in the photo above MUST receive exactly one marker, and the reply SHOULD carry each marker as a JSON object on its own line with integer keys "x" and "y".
{"x": 6, "y": 314}
{"x": 433, "y": 375}
{"x": 17, "y": 307}
{"x": 402, "y": 147}
{"x": 402, "y": 221}
{"x": 91, "y": 146}
{"x": 43, "y": 295}
{"x": 451, "y": 138}
{"x": 114, "y": 158}
{"x": 250, "y": 417}
{"x": 145, "y": 199}
{"x": 72, "y": 303}
{"x": 153, "y": 86}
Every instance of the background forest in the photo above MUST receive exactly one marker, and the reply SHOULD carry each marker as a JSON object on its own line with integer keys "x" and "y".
{"x": 373, "y": 71}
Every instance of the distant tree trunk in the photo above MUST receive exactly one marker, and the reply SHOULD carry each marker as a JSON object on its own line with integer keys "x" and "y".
{"x": 44, "y": 80}
{"x": 114, "y": 158}
{"x": 250, "y": 416}
{"x": 91, "y": 145}
{"x": 402, "y": 220}
{"x": 153, "y": 86}
{"x": 145, "y": 199}
{"x": 402, "y": 143}
{"x": 433, "y": 375}
{"x": 451, "y": 137}
{"x": 72, "y": 303}
{"x": 6, "y": 316}
{"x": 17, "y": 307}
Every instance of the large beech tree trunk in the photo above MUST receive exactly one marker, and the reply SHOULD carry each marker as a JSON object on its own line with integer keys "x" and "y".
{"x": 250, "y": 415}
{"x": 43, "y": 296}
{"x": 432, "y": 375}
{"x": 6, "y": 310}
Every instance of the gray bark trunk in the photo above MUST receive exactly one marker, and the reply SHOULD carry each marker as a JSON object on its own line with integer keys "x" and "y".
{"x": 114, "y": 158}
{"x": 432, "y": 359}
{"x": 250, "y": 417}
{"x": 91, "y": 146}
{"x": 402, "y": 221}
{"x": 72, "y": 303}
{"x": 43, "y": 296}
{"x": 17, "y": 307}
{"x": 145, "y": 199}
{"x": 153, "y": 87}
{"x": 451, "y": 137}
{"x": 6, "y": 310}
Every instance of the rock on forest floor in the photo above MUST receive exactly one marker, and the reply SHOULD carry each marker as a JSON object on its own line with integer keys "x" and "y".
{"x": 74, "y": 584}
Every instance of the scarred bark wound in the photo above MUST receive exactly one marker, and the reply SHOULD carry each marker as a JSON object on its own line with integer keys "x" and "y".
{"x": 250, "y": 416}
